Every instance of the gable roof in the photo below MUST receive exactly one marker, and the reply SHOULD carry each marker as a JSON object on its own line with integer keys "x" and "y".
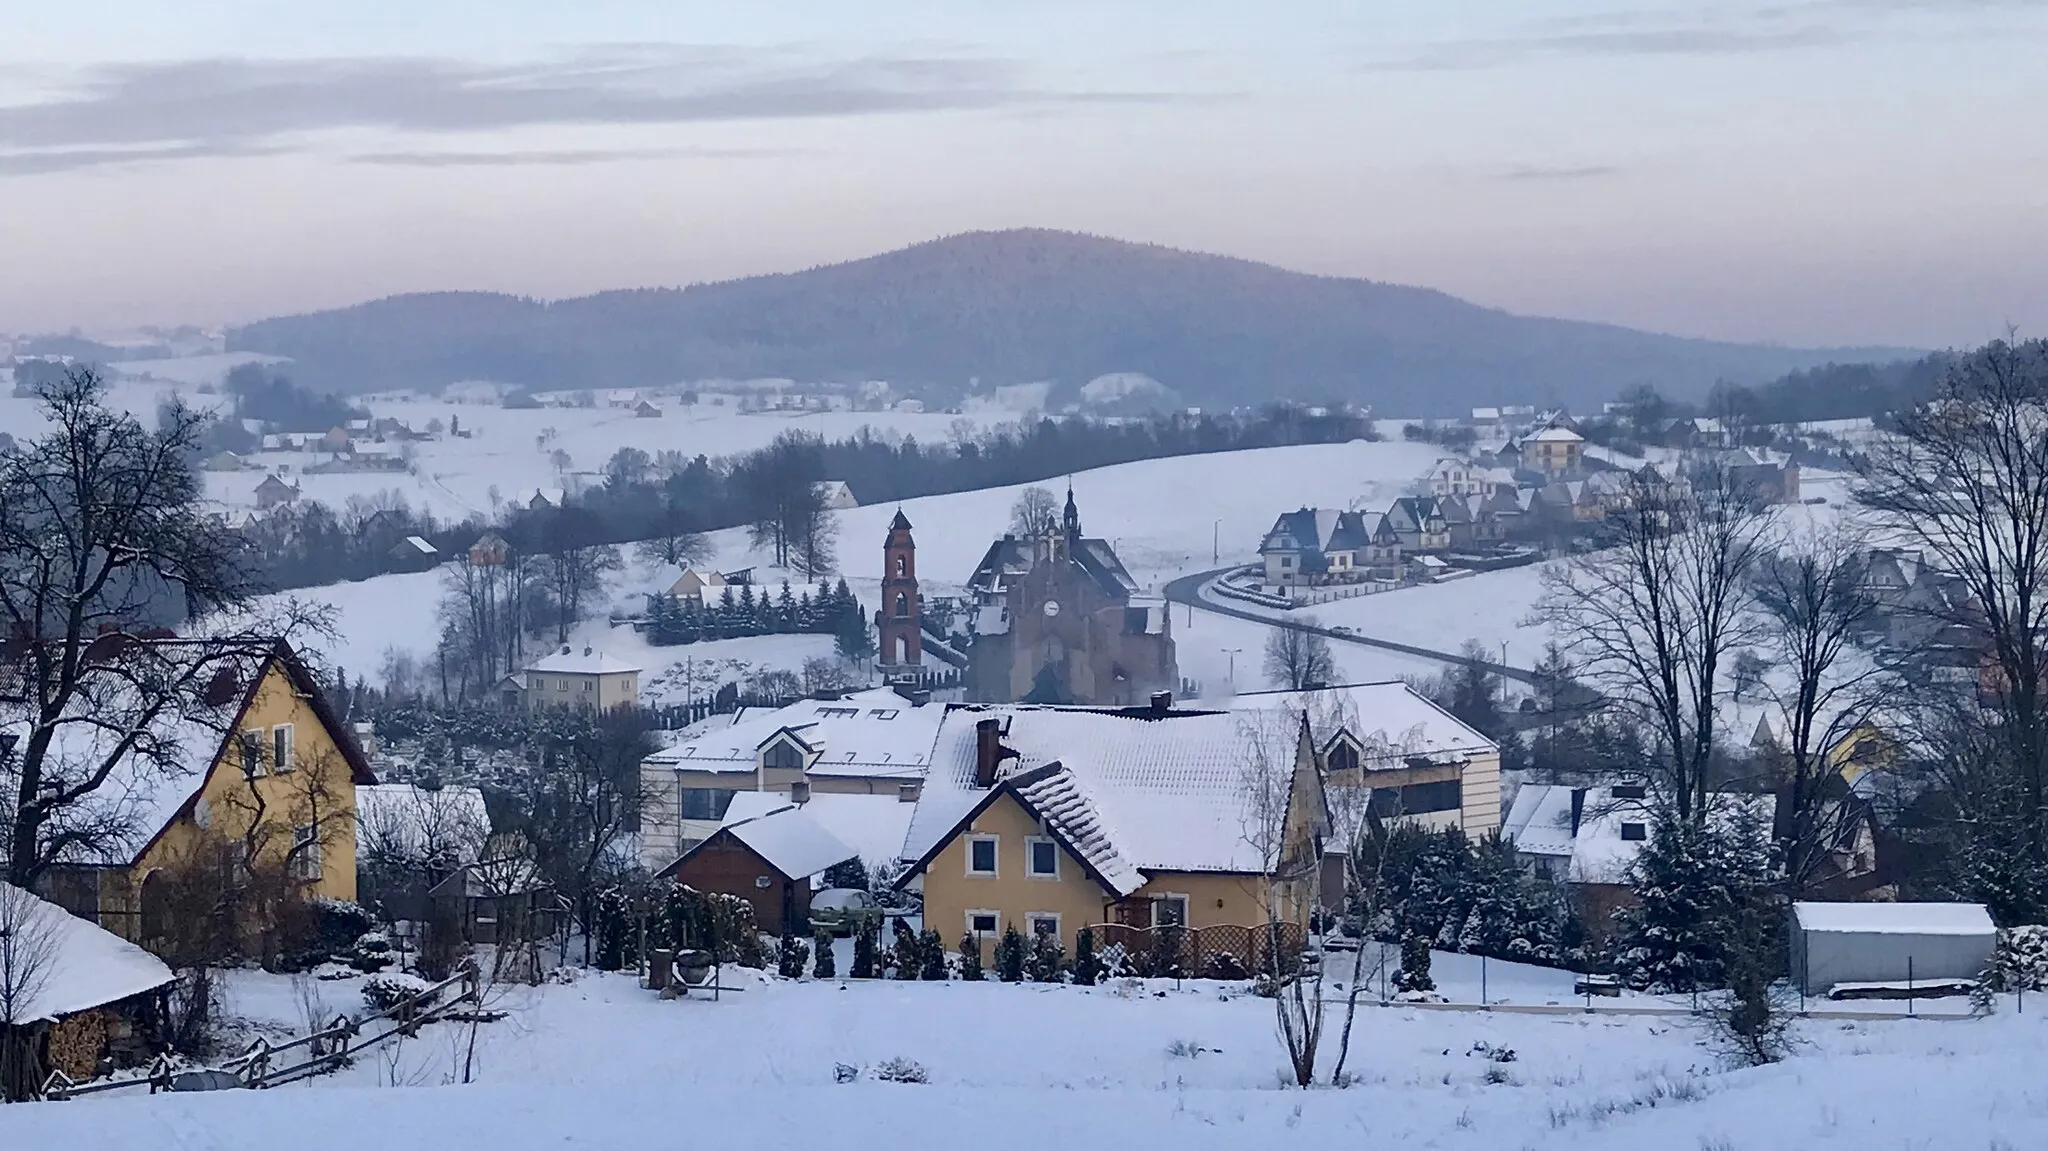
{"x": 1965, "y": 919}
{"x": 90, "y": 966}
{"x": 865, "y": 734}
{"x": 873, "y": 825}
{"x": 786, "y": 839}
{"x": 565, "y": 661}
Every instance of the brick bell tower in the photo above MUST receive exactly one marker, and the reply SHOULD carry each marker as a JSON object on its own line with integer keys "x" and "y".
{"x": 898, "y": 620}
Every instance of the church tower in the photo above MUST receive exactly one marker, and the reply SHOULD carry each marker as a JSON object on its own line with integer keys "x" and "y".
{"x": 898, "y": 620}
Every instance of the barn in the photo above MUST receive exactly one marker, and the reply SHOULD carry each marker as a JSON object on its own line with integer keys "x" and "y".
{"x": 767, "y": 861}
{"x": 1865, "y": 943}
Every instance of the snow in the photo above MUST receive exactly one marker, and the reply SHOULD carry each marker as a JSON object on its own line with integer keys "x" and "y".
{"x": 589, "y": 661}
{"x": 884, "y": 734}
{"x": 602, "y": 1063}
{"x": 1968, "y": 919}
{"x": 1391, "y": 715}
{"x": 60, "y": 964}
{"x": 872, "y": 825}
{"x": 791, "y": 841}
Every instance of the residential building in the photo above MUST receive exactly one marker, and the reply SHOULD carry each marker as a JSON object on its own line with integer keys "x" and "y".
{"x": 1062, "y": 621}
{"x": 837, "y": 495}
{"x": 273, "y": 491}
{"x": 1553, "y": 452}
{"x": 898, "y": 619}
{"x": 589, "y": 680}
{"x": 869, "y": 743}
{"x": 252, "y": 757}
{"x": 1318, "y": 545}
{"x": 1418, "y": 522}
{"x": 645, "y": 410}
{"x": 222, "y": 462}
{"x": 1762, "y": 480}
{"x": 1455, "y": 477}
{"x": 413, "y": 554}
{"x": 769, "y": 861}
{"x": 873, "y": 823}
{"x": 490, "y": 550}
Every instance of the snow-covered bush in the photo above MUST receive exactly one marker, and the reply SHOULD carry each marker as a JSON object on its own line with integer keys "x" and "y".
{"x": 791, "y": 957}
{"x": 1087, "y": 966}
{"x": 970, "y": 958}
{"x": 1414, "y": 973}
{"x": 1048, "y": 960}
{"x": 2021, "y": 960}
{"x": 371, "y": 952}
{"x": 386, "y": 990}
{"x": 826, "y": 966}
{"x": 931, "y": 956}
{"x": 864, "y": 946}
{"x": 1010, "y": 956}
{"x": 900, "y": 1070}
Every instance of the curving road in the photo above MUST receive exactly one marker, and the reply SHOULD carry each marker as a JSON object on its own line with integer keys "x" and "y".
{"x": 1188, "y": 590}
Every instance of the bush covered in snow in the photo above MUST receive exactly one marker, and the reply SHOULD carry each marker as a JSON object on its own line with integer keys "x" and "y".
{"x": 386, "y": 990}
{"x": 1414, "y": 973}
{"x": 2021, "y": 961}
{"x": 1010, "y": 952}
{"x": 372, "y": 952}
{"x": 1087, "y": 967}
{"x": 791, "y": 957}
{"x": 970, "y": 958}
{"x": 931, "y": 956}
{"x": 1048, "y": 960}
{"x": 900, "y": 1070}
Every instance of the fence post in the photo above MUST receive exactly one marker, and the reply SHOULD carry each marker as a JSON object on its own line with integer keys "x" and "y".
{"x": 1482, "y": 980}
{"x": 1909, "y": 987}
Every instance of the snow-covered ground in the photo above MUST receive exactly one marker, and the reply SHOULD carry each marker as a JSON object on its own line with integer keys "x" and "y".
{"x": 601, "y": 1063}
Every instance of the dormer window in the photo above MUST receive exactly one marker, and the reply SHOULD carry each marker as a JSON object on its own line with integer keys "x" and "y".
{"x": 1343, "y": 757}
{"x": 783, "y": 755}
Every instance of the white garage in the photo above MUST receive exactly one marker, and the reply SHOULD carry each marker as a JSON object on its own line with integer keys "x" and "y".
{"x": 1838, "y": 943}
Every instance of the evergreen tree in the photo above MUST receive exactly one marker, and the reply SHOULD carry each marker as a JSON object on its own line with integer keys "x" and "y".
{"x": 785, "y": 610}
{"x": 614, "y": 924}
{"x": 970, "y": 958}
{"x": 1087, "y": 968}
{"x": 747, "y": 615}
{"x": 827, "y": 963}
{"x": 725, "y": 623}
{"x": 1695, "y": 881}
{"x": 1010, "y": 956}
{"x": 1414, "y": 973}
{"x": 905, "y": 954}
{"x": 806, "y": 614}
{"x": 792, "y": 957}
{"x": 931, "y": 956}
{"x": 852, "y": 640}
{"x": 864, "y": 948}
{"x": 1048, "y": 960}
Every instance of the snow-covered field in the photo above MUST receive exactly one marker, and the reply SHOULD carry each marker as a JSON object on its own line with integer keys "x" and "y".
{"x": 601, "y": 1063}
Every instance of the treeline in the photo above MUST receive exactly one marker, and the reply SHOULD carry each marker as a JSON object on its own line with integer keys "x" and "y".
{"x": 831, "y": 611}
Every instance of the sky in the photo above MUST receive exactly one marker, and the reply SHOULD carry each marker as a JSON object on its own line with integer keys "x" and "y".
{"x": 1813, "y": 172}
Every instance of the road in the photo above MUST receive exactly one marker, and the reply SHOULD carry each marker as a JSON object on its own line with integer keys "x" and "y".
{"x": 1187, "y": 590}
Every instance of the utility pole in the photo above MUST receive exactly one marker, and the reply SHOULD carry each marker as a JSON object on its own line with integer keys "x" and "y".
{"x": 1216, "y": 542}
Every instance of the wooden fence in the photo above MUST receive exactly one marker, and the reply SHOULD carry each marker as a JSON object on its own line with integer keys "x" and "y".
{"x": 266, "y": 1064}
{"x": 1224, "y": 951}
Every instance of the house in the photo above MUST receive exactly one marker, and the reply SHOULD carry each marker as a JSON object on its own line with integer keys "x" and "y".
{"x": 1833, "y": 944}
{"x": 77, "y": 995}
{"x": 546, "y": 499}
{"x": 489, "y": 550}
{"x": 837, "y": 496}
{"x": 1762, "y": 480}
{"x": 222, "y": 462}
{"x": 621, "y": 398}
{"x": 769, "y": 861}
{"x": 588, "y": 680}
{"x": 645, "y": 410}
{"x": 1553, "y": 452}
{"x": 1125, "y": 821}
{"x": 251, "y": 757}
{"x": 413, "y": 554}
{"x": 1455, "y": 477}
{"x": 868, "y": 743}
{"x": 1315, "y": 546}
{"x": 681, "y": 583}
{"x": 1418, "y": 522}
{"x": 873, "y": 824}
{"x": 273, "y": 491}
{"x": 336, "y": 440}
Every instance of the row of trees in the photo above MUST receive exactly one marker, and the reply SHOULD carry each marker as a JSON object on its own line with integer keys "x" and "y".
{"x": 829, "y": 612}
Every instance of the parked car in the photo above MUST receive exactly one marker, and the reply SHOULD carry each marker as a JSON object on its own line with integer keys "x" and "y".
{"x": 839, "y": 909}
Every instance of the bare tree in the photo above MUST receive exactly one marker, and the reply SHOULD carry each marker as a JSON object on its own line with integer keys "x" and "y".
{"x": 29, "y": 942}
{"x": 573, "y": 574}
{"x": 1815, "y": 607}
{"x": 1652, "y": 620}
{"x": 676, "y": 539}
{"x": 1298, "y": 659}
{"x": 586, "y": 798}
{"x": 1036, "y": 513}
{"x": 814, "y": 546}
{"x": 103, "y": 545}
{"x": 780, "y": 488}
{"x": 1965, "y": 480}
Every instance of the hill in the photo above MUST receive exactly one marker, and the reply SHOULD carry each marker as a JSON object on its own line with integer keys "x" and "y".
{"x": 1016, "y": 306}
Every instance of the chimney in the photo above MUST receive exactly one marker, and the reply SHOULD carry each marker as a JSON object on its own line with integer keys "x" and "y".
{"x": 1578, "y": 808}
{"x": 565, "y": 649}
{"x": 800, "y": 792}
{"x": 586, "y": 649}
{"x": 989, "y": 752}
{"x": 1162, "y": 701}
{"x": 908, "y": 792}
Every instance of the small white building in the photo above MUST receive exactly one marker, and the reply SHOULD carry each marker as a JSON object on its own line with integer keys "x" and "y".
{"x": 1888, "y": 943}
{"x": 587, "y": 679}
{"x": 837, "y": 495}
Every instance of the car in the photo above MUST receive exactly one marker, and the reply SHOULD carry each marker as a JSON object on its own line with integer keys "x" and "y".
{"x": 1343, "y": 629}
{"x": 838, "y": 909}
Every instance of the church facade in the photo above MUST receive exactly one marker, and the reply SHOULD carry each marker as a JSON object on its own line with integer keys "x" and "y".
{"x": 1059, "y": 620}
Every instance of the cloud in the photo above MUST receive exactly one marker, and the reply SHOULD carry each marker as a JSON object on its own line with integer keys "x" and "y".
{"x": 558, "y": 157}
{"x": 1704, "y": 32}
{"x": 1541, "y": 172}
{"x": 38, "y": 163}
{"x": 194, "y": 105}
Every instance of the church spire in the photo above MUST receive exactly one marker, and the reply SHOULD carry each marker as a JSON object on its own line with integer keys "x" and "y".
{"x": 1070, "y": 519}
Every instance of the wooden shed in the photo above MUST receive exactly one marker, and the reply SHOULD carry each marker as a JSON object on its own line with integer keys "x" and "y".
{"x": 74, "y": 997}
{"x": 767, "y": 861}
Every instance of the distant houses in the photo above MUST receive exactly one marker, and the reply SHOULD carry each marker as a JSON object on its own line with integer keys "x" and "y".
{"x": 274, "y": 491}
{"x": 586, "y": 680}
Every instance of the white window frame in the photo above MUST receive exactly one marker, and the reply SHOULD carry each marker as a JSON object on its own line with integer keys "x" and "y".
{"x": 995, "y": 853}
{"x": 994, "y": 916}
{"x": 307, "y": 864}
{"x": 1031, "y": 871}
{"x": 1186, "y": 906}
{"x": 283, "y": 752}
{"x": 1033, "y": 918}
{"x": 260, "y": 738}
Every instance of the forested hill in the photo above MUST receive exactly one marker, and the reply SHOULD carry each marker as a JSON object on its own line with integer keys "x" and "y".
{"x": 1020, "y": 306}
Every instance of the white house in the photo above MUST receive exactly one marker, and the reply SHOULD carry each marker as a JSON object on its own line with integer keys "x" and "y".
{"x": 588, "y": 679}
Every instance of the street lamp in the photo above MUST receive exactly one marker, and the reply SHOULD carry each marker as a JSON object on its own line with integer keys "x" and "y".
{"x": 1216, "y": 542}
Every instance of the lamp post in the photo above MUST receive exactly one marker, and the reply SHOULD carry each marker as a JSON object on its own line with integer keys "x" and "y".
{"x": 1216, "y": 542}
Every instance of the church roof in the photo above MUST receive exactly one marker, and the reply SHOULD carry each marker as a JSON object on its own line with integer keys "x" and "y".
{"x": 1010, "y": 557}
{"x": 900, "y": 523}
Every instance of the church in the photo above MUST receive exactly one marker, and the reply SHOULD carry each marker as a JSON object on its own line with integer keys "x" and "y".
{"x": 1057, "y": 619}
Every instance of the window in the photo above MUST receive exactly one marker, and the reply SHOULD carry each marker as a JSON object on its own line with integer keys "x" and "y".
{"x": 882, "y": 712}
{"x": 1343, "y": 757}
{"x": 540, "y": 683}
{"x": 1415, "y": 799}
{"x": 1170, "y": 911}
{"x": 1287, "y": 561}
{"x": 899, "y": 565}
{"x": 281, "y": 747}
{"x": 1043, "y": 923}
{"x": 589, "y": 685}
{"x": 902, "y": 606}
{"x": 783, "y": 755}
{"x": 981, "y": 855}
{"x": 1630, "y": 791}
{"x": 706, "y": 802}
{"x": 837, "y": 712}
{"x": 982, "y": 923}
{"x": 1635, "y": 832}
{"x": 306, "y": 851}
{"x": 252, "y": 753}
{"x": 1043, "y": 857}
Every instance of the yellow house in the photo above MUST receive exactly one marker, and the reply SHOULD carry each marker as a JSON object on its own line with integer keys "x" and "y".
{"x": 255, "y": 771}
{"x": 1157, "y": 820}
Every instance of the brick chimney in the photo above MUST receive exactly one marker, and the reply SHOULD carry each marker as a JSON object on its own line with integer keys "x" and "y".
{"x": 1162, "y": 701}
{"x": 989, "y": 752}
{"x": 800, "y": 792}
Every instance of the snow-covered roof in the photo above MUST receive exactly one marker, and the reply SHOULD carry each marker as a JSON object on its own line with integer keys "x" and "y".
{"x": 867, "y": 733}
{"x": 1060, "y": 800}
{"x": 872, "y": 825}
{"x": 1389, "y": 715}
{"x": 82, "y": 965}
{"x": 1600, "y": 847}
{"x": 567, "y": 661}
{"x": 792, "y": 842}
{"x": 1970, "y": 919}
{"x": 1557, "y": 436}
{"x": 1165, "y": 792}
{"x": 1539, "y": 821}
